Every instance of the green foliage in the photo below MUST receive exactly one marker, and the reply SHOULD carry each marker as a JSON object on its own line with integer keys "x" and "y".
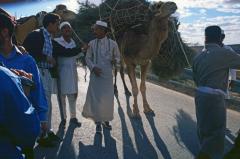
{"x": 87, "y": 16}
{"x": 171, "y": 60}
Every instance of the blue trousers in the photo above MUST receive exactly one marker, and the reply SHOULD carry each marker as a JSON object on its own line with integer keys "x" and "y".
{"x": 211, "y": 123}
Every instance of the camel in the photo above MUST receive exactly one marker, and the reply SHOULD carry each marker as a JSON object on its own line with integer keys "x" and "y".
{"x": 64, "y": 13}
{"x": 28, "y": 24}
{"x": 140, "y": 48}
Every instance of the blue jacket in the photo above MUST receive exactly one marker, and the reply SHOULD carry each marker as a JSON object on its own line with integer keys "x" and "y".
{"x": 19, "y": 123}
{"x": 25, "y": 62}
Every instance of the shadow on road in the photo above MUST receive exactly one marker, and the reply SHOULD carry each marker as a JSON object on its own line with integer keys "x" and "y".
{"x": 97, "y": 151}
{"x": 110, "y": 144}
{"x": 62, "y": 150}
{"x": 128, "y": 149}
{"x": 185, "y": 132}
{"x": 67, "y": 150}
{"x": 144, "y": 147}
{"x": 158, "y": 140}
{"x": 143, "y": 144}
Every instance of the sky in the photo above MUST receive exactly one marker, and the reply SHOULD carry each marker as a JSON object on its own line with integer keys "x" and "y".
{"x": 194, "y": 15}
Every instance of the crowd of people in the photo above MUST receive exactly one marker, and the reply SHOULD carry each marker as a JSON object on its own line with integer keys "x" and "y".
{"x": 46, "y": 65}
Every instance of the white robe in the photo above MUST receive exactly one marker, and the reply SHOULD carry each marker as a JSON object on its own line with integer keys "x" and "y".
{"x": 67, "y": 69}
{"x": 100, "y": 95}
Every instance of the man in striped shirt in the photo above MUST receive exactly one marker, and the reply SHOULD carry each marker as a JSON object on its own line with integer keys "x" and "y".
{"x": 39, "y": 45}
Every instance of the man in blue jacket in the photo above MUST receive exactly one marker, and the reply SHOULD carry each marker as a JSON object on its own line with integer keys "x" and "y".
{"x": 11, "y": 57}
{"x": 19, "y": 123}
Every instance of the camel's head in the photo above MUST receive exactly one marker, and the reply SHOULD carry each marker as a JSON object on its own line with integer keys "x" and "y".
{"x": 40, "y": 17}
{"x": 163, "y": 9}
{"x": 64, "y": 13}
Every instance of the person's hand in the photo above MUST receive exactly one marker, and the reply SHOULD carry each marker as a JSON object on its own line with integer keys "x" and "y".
{"x": 85, "y": 47}
{"x": 97, "y": 71}
{"x": 51, "y": 60}
{"x": 22, "y": 73}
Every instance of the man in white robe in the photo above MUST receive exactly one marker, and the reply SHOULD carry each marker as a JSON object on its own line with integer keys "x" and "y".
{"x": 67, "y": 69}
{"x": 102, "y": 55}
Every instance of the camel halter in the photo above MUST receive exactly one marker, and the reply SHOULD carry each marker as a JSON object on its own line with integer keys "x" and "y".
{"x": 82, "y": 42}
{"x": 181, "y": 45}
{"x": 79, "y": 39}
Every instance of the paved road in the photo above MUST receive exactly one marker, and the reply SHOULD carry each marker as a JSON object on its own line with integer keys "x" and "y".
{"x": 170, "y": 134}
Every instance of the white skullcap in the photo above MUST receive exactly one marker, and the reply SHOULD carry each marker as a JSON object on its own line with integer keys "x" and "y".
{"x": 102, "y": 23}
{"x": 63, "y": 24}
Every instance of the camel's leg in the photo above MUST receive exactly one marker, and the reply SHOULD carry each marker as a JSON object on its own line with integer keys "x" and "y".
{"x": 132, "y": 77}
{"x": 127, "y": 92}
{"x": 115, "y": 83}
{"x": 146, "y": 106}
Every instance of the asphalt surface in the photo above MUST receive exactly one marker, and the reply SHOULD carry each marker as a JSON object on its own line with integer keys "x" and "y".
{"x": 170, "y": 134}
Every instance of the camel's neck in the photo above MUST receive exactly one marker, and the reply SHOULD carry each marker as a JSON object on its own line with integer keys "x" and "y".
{"x": 157, "y": 34}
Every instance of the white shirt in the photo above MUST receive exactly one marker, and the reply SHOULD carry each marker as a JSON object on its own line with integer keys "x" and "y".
{"x": 71, "y": 44}
{"x": 102, "y": 52}
{"x": 67, "y": 68}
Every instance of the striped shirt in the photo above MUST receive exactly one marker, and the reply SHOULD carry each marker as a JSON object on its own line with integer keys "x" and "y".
{"x": 47, "y": 49}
